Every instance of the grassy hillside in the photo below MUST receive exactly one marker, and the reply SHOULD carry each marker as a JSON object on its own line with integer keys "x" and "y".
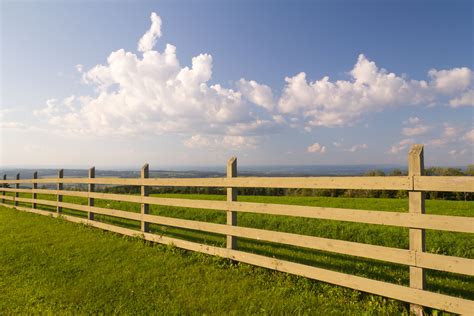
{"x": 307, "y": 294}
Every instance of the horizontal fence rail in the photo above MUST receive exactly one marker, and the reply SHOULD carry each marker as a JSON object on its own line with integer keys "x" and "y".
{"x": 386, "y": 183}
{"x": 416, "y": 183}
{"x": 415, "y": 221}
{"x": 408, "y": 220}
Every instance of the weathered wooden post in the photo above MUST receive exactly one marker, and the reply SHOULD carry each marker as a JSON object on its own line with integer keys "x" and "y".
{"x": 4, "y": 186}
{"x": 417, "y": 236}
{"x": 232, "y": 196}
{"x": 35, "y": 186}
{"x": 59, "y": 209}
{"x": 145, "y": 208}
{"x": 91, "y": 188}
{"x": 17, "y": 187}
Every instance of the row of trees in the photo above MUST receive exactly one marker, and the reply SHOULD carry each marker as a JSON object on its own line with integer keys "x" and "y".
{"x": 432, "y": 171}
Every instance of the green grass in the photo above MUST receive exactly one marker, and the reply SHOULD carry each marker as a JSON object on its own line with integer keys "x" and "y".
{"x": 274, "y": 292}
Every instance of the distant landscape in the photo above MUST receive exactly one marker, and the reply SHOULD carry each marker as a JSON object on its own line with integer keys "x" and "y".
{"x": 218, "y": 171}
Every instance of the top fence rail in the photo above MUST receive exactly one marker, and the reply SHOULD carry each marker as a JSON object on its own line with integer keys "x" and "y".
{"x": 408, "y": 183}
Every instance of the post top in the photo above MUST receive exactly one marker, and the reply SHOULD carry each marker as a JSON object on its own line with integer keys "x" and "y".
{"x": 92, "y": 168}
{"x": 416, "y": 149}
{"x": 232, "y": 160}
{"x": 145, "y": 166}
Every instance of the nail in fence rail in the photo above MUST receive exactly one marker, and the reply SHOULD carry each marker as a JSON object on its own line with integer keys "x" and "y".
{"x": 91, "y": 188}
{"x": 415, "y": 220}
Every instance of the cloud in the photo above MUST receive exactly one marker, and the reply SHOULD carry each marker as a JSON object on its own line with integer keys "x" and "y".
{"x": 457, "y": 152}
{"x": 215, "y": 142}
{"x": 256, "y": 93}
{"x": 449, "y": 135}
{"x": 417, "y": 130}
{"x": 317, "y": 148}
{"x": 466, "y": 99}
{"x": 148, "y": 40}
{"x": 357, "y": 147}
{"x": 401, "y": 145}
{"x": 12, "y": 125}
{"x": 469, "y": 136}
{"x": 153, "y": 93}
{"x": 452, "y": 80}
{"x": 369, "y": 89}
{"x": 413, "y": 120}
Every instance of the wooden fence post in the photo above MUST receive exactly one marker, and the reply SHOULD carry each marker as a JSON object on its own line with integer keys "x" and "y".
{"x": 4, "y": 186}
{"x": 35, "y": 186}
{"x": 17, "y": 186}
{"x": 145, "y": 208}
{"x": 417, "y": 236}
{"x": 59, "y": 209}
{"x": 91, "y": 188}
{"x": 232, "y": 196}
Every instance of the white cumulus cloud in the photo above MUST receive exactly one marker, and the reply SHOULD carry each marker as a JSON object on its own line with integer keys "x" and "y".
{"x": 216, "y": 142}
{"x": 466, "y": 99}
{"x": 416, "y": 130}
{"x": 370, "y": 89}
{"x": 317, "y": 148}
{"x": 357, "y": 147}
{"x": 469, "y": 136}
{"x": 153, "y": 93}
{"x": 401, "y": 145}
{"x": 413, "y": 120}
{"x": 148, "y": 40}
{"x": 259, "y": 94}
{"x": 452, "y": 80}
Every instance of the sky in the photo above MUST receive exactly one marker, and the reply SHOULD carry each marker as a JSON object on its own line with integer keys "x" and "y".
{"x": 187, "y": 83}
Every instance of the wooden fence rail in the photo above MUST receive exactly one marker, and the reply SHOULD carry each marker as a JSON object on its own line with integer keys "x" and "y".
{"x": 416, "y": 220}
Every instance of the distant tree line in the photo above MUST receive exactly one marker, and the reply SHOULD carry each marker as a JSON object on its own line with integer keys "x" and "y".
{"x": 432, "y": 171}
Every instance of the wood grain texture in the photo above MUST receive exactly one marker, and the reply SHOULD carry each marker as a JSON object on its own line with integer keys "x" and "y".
{"x": 366, "y": 183}
{"x": 231, "y": 197}
{"x": 446, "y": 184}
{"x": 144, "y": 207}
{"x": 418, "y": 183}
{"x": 416, "y": 205}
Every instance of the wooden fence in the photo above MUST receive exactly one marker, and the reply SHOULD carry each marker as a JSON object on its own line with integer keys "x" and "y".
{"x": 416, "y": 220}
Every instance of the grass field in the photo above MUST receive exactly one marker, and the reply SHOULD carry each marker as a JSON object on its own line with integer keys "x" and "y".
{"x": 48, "y": 261}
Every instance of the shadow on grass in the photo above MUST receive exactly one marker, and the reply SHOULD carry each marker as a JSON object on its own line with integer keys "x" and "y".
{"x": 189, "y": 235}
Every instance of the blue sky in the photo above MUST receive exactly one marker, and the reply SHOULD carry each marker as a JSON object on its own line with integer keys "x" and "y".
{"x": 59, "y": 108}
